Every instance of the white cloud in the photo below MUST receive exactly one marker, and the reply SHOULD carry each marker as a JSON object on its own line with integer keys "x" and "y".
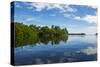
{"x": 29, "y": 19}
{"x": 53, "y": 14}
{"x": 66, "y": 15}
{"x": 90, "y": 18}
{"x": 52, "y": 6}
{"x": 90, "y": 6}
{"x": 67, "y": 8}
{"x": 94, "y": 7}
{"x": 38, "y": 6}
{"x": 87, "y": 18}
{"x": 77, "y": 18}
{"x": 48, "y": 6}
{"x": 90, "y": 51}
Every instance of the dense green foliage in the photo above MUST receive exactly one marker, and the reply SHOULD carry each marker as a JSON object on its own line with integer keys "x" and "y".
{"x": 32, "y": 34}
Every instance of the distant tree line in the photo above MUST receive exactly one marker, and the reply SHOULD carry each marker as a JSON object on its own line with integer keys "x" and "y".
{"x": 25, "y": 34}
{"x": 77, "y": 34}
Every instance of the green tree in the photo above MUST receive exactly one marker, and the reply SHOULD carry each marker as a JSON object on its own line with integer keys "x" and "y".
{"x": 28, "y": 34}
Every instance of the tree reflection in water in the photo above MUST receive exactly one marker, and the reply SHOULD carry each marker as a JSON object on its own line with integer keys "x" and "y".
{"x": 44, "y": 40}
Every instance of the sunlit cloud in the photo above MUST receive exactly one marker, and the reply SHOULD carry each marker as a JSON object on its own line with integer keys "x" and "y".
{"x": 87, "y": 18}
{"x": 93, "y": 7}
{"x": 49, "y": 6}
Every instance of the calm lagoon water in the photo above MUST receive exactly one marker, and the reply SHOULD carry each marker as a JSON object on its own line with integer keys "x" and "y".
{"x": 77, "y": 48}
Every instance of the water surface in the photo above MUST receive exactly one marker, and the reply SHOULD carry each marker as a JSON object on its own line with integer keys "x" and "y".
{"x": 74, "y": 49}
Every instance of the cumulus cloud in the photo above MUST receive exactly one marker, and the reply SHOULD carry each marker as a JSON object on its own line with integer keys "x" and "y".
{"x": 70, "y": 9}
{"x": 90, "y": 18}
{"x": 77, "y": 18}
{"x": 90, "y": 51}
{"x": 38, "y": 6}
{"x": 52, "y": 6}
{"x": 87, "y": 18}
{"x": 48, "y": 6}
{"x": 94, "y": 7}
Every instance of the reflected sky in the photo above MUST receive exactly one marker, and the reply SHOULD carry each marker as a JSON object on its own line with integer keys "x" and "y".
{"x": 77, "y": 48}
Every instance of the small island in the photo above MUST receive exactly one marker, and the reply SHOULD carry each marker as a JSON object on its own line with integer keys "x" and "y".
{"x": 76, "y": 34}
{"x": 96, "y": 34}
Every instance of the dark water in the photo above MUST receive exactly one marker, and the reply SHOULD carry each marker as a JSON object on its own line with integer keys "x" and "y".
{"x": 75, "y": 49}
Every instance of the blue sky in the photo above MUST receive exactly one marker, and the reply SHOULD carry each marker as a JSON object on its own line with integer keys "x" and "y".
{"x": 76, "y": 18}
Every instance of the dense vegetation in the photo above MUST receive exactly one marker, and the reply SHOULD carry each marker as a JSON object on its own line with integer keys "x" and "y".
{"x": 32, "y": 34}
